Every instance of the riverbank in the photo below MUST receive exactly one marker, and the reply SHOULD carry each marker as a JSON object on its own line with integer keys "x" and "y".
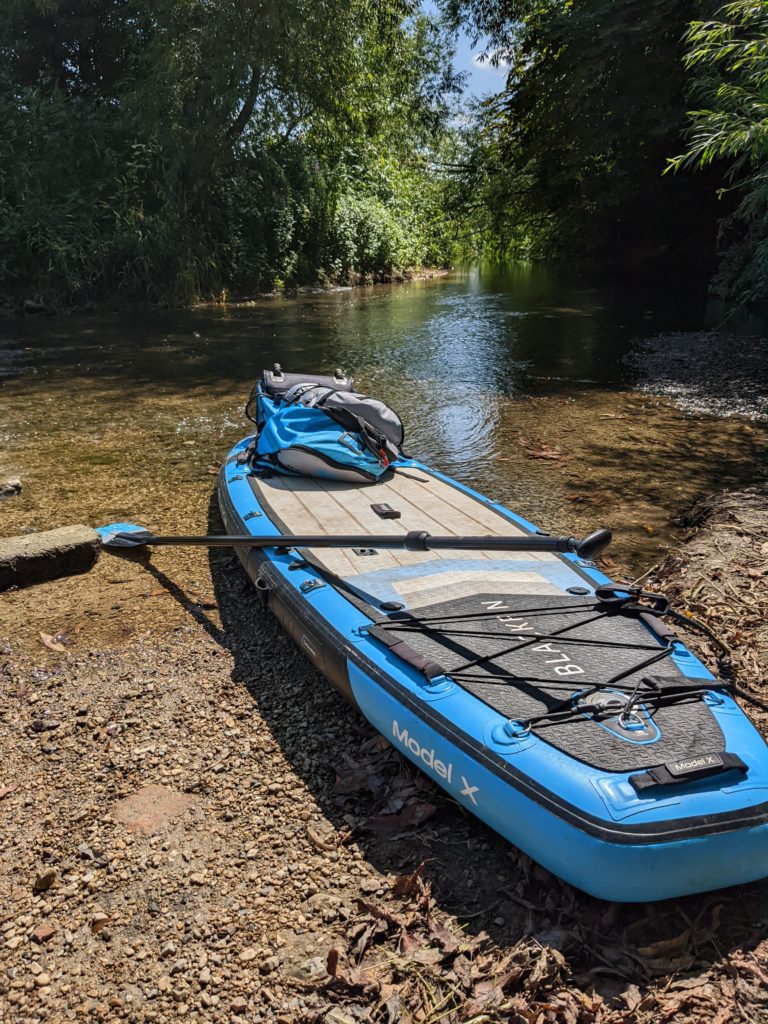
{"x": 705, "y": 372}
{"x": 199, "y": 826}
{"x": 353, "y": 279}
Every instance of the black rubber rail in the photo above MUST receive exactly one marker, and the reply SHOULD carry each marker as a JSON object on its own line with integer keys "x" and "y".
{"x": 416, "y": 540}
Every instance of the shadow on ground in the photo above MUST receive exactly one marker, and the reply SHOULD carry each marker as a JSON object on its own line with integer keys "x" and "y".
{"x": 487, "y": 885}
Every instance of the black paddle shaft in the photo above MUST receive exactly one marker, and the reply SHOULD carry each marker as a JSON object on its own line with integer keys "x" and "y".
{"x": 416, "y": 540}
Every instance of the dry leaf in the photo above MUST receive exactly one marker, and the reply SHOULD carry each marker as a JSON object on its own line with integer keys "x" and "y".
{"x": 546, "y": 451}
{"x": 442, "y": 935}
{"x": 318, "y": 841}
{"x": 667, "y": 947}
{"x": 7, "y": 790}
{"x": 53, "y": 643}
{"x": 332, "y": 962}
{"x": 410, "y": 817}
{"x": 407, "y": 885}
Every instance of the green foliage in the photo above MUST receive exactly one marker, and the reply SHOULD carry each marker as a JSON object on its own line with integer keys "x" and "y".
{"x": 568, "y": 158}
{"x": 168, "y": 150}
{"x": 729, "y": 59}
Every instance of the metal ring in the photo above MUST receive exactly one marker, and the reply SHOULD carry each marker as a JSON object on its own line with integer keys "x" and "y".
{"x": 524, "y": 729}
{"x": 630, "y": 720}
{"x": 260, "y": 583}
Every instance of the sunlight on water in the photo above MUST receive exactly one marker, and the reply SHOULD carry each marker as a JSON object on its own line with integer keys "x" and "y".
{"x": 511, "y": 379}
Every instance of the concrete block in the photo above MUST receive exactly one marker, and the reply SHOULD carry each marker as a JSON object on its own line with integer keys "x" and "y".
{"x": 37, "y": 557}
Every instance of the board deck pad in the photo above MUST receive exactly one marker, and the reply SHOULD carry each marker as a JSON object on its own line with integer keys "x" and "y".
{"x": 425, "y": 502}
{"x": 453, "y": 632}
{"x": 428, "y": 583}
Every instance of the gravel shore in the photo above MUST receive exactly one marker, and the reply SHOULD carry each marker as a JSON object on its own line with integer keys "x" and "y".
{"x": 196, "y": 825}
{"x": 705, "y": 372}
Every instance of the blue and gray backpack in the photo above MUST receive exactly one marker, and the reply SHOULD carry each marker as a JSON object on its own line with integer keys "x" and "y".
{"x": 298, "y": 419}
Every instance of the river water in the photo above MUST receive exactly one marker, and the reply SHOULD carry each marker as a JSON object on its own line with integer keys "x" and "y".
{"x": 119, "y": 416}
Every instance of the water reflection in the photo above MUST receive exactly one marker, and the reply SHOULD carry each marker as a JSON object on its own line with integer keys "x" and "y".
{"x": 121, "y": 414}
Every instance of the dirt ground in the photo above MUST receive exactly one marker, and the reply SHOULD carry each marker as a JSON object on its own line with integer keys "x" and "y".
{"x": 196, "y": 825}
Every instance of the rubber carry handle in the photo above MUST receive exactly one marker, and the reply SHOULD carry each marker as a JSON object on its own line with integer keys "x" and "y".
{"x": 592, "y": 545}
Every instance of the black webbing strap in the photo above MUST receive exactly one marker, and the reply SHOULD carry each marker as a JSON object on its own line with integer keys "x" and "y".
{"x": 421, "y": 662}
{"x": 688, "y": 769}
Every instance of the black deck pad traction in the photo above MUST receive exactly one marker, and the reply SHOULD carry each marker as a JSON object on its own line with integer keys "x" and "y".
{"x": 451, "y": 633}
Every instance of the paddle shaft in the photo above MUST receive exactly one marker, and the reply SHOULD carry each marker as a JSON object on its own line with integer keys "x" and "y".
{"x": 414, "y": 541}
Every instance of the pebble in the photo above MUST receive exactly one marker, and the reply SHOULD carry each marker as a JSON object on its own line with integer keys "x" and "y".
{"x": 10, "y": 487}
{"x": 43, "y": 933}
{"x": 337, "y": 1016}
{"x": 269, "y": 964}
{"x": 45, "y": 880}
{"x": 314, "y": 969}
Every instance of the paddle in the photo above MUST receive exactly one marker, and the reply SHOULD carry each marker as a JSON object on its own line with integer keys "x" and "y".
{"x": 129, "y": 537}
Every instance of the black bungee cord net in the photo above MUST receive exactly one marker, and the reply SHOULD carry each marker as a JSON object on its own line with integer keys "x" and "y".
{"x": 646, "y": 690}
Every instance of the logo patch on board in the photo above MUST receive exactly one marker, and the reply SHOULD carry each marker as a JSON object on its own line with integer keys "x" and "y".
{"x": 699, "y": 763}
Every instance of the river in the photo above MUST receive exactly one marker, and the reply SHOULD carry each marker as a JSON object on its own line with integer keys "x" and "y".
{"x": 511, "y": 379}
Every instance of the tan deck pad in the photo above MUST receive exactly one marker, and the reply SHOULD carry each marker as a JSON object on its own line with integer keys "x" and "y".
{"x": 312, "y": 505}
{"x": 448, "y": 586}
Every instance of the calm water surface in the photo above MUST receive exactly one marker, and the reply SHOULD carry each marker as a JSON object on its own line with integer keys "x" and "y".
{"x": 120, "y": 415}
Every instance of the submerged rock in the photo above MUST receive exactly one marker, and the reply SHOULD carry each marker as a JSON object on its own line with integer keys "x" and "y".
{"x": 10, "y": 488}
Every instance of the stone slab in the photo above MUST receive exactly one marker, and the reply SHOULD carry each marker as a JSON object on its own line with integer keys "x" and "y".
{"x": 37, "y": 557}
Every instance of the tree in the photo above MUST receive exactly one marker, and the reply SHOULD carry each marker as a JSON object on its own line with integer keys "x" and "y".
{"x": 181, "y": 147}
{"x": 728, "y": 56}
{"x": 570, "y": 155}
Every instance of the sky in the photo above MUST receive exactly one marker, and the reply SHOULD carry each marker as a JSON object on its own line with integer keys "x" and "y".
{"x": 481, "y": 78}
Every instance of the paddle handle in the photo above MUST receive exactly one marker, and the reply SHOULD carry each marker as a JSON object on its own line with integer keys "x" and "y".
{"x": 416, "y": 540}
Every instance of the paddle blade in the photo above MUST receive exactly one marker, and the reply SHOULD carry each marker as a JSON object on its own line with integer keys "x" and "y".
{"x": 123, "y": 535}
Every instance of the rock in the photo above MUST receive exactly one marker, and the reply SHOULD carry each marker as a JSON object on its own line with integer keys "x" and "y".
{"x": 14, "y": 942}
{"x": 43, "y": 980}
{"x": 197, "y": 878}
{"x": 269, "y": 964}
{"x": 10, "y": 488}
{"x": 239, "y": 1004}
{"x": 43, "y": 933}
{"x": 37, "y": 557}
{"x": 44, "y": 880}
{"x": 151, "y": 808}
{"x": 99, "y": 921}
{"x": 248, "y": 954}
{"x": 314, "y": 969}
{"x": 34, "y": 306}
{"x": 337, "y": 1016}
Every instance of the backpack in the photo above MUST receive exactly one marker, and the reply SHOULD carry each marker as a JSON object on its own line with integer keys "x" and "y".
{"x": 299, "y": 429}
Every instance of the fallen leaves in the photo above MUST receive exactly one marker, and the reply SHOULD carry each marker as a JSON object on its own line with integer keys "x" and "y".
{"x": 318, "y": 841}
{"x": 404, "y": 799}
{"x": 541, "y": 450}
{"x": 412, "y": 815}
{"x": 411, "y": 964}
{"x": 54, "y": 643}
